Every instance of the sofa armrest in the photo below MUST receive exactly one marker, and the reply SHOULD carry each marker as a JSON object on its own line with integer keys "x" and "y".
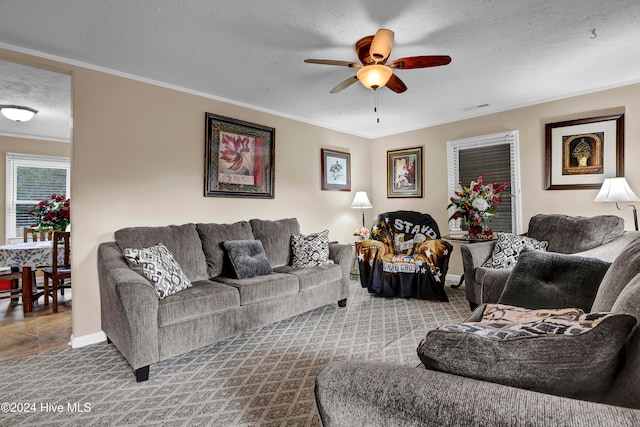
{"x": 609, "y": 251}
{"x": 342, "y": 255}
{"x": 357, "y": 393}
{"x": 473, "y": 256}
{"x": 129, "y": 308}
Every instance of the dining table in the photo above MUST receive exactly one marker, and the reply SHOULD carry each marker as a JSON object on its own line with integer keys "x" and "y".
{"x": 28, "y": 256}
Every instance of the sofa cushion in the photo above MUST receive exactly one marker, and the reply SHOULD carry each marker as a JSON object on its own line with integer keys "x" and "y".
{"x": 181, "y": 240}
{"x": 568, "y": 235}
{"x": 260, "y": 288}
{"x": 508, "y": 247}
{"x": 247, "y": 258}
{"x": 276, "y": 238}
{"x": 203, "y": 298}
{"x": 311, "y": 277}
{"x": 550, "y": 280}
{"x": 160, "y": 268}
{"x": 310, "y": 250}
{"x": 573, "y": 355}
{"x": 213, "y": 236}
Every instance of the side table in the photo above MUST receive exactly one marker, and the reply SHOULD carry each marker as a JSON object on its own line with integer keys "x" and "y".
{"x": 354, "y": 273}
{"x": 464, "y": 241}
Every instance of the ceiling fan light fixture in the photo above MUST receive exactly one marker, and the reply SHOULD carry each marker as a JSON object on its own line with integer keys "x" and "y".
{"x": 374, "y": 76}
{"x": 17, "y": 113}
{"x": 381, "y": 45}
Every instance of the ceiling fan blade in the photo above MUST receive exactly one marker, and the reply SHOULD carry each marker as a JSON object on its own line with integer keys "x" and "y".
{"x": 420, "y": 61}
{"x": 333, "y": 62}
{"x": 395, "y": 84}
{"x": 362, "y": 50}
{"x": 345, "y": 84}
{"x": 381, "y": 45}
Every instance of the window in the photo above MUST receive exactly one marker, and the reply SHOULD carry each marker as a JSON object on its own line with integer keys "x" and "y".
{"x": 495, "y": 157}
{"x": 30, "y": 179}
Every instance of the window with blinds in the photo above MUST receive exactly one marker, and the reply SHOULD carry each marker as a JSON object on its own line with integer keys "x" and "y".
{"x": 495, "y": 157}
{"x": 30, "y": 179}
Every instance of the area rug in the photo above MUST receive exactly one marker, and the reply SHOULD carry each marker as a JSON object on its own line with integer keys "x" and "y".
{"x": 261, "y": 378}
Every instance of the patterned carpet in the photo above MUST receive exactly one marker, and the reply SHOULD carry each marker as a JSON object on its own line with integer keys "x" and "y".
{"x": 261, "y": 378}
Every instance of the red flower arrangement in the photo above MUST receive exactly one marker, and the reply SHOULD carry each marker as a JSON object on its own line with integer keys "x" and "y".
{"x": 477, "y": 205}
{"x": 52, "y": 213}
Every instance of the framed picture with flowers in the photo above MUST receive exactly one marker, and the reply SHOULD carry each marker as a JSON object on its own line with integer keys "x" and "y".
{"x": 581, "y": 153}
{"x": 239, "y": 158}
{"x": 404, "y": 173}
{"x": 336, "y": 170}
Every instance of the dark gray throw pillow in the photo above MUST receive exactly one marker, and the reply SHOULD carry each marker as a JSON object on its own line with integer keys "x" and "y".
{"x": 247, "y": 258}
{"x": 551, "y": 280}
{"x": 555, "y": 357}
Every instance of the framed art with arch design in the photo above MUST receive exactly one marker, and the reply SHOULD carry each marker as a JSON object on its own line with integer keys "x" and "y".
{"x": 580, "y": 154}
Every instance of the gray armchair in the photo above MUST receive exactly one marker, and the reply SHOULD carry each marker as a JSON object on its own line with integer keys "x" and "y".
{"x": 356, "y": 393}
{"x": 601, "y": 237}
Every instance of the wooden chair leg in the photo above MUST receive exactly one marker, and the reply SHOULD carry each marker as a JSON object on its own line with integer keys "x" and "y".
{"x": 46, "y": 291}
{"x": 55, "y": 295}
{"x": 14, "y": 286}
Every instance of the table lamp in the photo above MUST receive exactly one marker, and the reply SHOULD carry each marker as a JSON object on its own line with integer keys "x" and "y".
{"x": 616, "y": 190}
{"x": 361, "y": 201}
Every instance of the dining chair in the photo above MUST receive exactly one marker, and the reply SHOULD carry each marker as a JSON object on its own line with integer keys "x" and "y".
{"x": 60, "y": 268}
{"x": 31, "y": 234}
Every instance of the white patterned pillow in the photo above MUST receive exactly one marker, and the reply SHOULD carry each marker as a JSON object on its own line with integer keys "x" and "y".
{"x": 508, "y": 247}
{"x": 310, "y": 250}
{"x": 160, "y": 268}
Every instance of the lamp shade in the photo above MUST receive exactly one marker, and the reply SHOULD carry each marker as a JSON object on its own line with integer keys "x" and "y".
{"x": 374, "y": 76}
{"x": 361, "y": 201}
{"x": 18, "y": 113}
{"x": 615, "y": 190}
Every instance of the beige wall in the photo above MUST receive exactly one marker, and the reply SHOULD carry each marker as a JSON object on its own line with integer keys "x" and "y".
{"x": 137, "y": 159}
{"x": 10, "y": 144}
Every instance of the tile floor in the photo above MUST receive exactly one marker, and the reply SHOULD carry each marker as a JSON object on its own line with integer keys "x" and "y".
{"x": 43, "y": 330}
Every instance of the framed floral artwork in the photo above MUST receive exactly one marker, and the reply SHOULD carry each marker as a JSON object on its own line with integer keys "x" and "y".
{"x": 336, "y": 170}
{"x": 404, "y": 173}
{"x": 580, "y": 154}
{"x": 239, "y": 158}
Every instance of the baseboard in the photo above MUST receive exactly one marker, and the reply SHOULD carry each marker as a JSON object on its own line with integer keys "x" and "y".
{"x": 454, "y": 277}
{"x": 85, "y": 340}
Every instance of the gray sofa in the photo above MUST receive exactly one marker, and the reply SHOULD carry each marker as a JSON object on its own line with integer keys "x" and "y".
{"x": 357, "y": 393}
{"x": 147, "y": 329}
{"x": 601, "y": 237}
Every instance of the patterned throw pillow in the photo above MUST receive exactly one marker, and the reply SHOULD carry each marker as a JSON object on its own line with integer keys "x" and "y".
{"x": 508, "y": 247}
{"x": 310, "y": 250}
{"x": 160, "y": 268}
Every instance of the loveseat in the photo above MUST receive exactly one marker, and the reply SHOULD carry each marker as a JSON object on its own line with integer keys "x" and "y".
{"x": 601, "y": 237}
{"x": 356, "y": 393}
{"x": 220, "y": 297}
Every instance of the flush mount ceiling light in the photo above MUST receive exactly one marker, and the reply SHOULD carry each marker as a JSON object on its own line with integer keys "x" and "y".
{"x": 18, "y": 113}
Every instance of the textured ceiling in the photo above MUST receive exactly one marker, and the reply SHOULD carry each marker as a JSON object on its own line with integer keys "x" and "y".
{"x": 505, "y": 53}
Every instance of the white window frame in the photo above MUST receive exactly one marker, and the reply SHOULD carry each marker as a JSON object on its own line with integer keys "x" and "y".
{"x": 511, "y": 138}
{"x": 15, "y": 160}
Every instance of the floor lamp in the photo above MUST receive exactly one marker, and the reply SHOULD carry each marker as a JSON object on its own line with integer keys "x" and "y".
{"x": 361, "y": 201}
{"x": 616, "y": 190}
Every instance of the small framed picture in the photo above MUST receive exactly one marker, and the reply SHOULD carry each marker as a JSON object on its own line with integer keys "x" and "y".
{"x": 336, "y": 170}
{"x": 404, "y": 172}
{"x": 581, "y": 153}
{"x": 239, "y": 158}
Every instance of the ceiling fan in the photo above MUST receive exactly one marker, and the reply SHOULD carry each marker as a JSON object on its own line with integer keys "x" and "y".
{"x": 373, "y": 52}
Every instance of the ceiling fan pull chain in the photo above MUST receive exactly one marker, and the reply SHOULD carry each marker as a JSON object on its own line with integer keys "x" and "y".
{"x": 375, "y": 107}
